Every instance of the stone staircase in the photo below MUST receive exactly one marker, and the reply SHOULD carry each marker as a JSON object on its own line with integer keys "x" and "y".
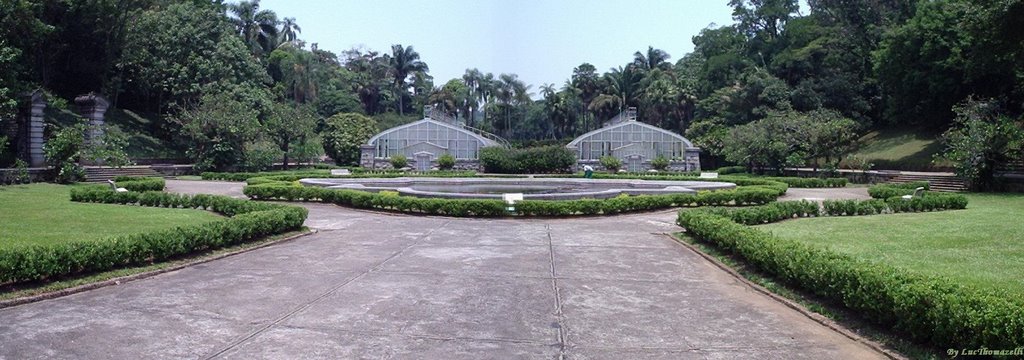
{"x": 102, "y": 174}
{"x": 936, "y": 182}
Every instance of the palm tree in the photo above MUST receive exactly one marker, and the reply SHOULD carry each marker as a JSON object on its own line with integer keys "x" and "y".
{"x": 654, "y": 59}
{"x": 404, "y": 60}
{"x": 257, "y": 27}
{"x": 473, "y": 80}
{"x": 624, "y": 83}
{"x": 289, "y": 30}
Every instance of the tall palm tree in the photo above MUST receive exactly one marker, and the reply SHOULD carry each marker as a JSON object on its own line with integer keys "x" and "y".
{"x": 257, "y": 27}
{"x": 654, "y": 59}
{"x": 473, "y": 79}
{"x": 289, "y": 30}
{"x": 625, "y": 84}
{"x": 404, "y": 61}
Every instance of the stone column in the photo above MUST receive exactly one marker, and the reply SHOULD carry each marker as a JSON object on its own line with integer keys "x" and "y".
{"x": 366, "y": 156}
{"x": 692, "y": 157}
{"x": 30, "y": 131}
{"x": 93, "y": 107}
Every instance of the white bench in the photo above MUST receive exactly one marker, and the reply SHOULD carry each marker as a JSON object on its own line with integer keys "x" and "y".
{"x": 340, "y": 172}
{"x": 917, "y": 193}
{"x": 708, "y": 175}
{"x": 115, "y": 188}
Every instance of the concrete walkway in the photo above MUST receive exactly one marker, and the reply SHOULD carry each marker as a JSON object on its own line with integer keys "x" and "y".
{"x": 372, "y": 285}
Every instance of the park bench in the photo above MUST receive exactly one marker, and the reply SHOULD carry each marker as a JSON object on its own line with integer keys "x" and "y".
{"x": 340, "y": 172}
{"x": 708, "y": 175}
{"x": 114, "y": 187}
{"x": 917, "y": 193}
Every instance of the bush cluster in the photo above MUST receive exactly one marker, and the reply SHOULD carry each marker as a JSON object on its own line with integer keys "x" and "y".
{"x": 885, "y": 191}
{"x": 446, "y": 162}
{"x": 611, "y": 163}
{"x": 538, "y": 160}
{"x": 473, "y": 207}
{"x": 140, "y": 184}
{"x": 927, "y": 309}
{"x": 248, "y": 221}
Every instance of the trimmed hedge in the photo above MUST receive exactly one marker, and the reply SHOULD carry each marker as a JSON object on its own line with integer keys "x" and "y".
{"x": 140, "y": 184}
{"x": 248, "y": 221}
{"x": 536, "y": 160}
{"x": 779, "y": 211}
{"x": 752, "y": 195}
{"x": 928, "y": 309}
{"x": 885, "y": 191}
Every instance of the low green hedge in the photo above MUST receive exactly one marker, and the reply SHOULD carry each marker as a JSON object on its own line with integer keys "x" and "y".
{"x": 927, "y": 309}
{"x": 249, "y": 220}
{"x": 140, "y": 184}
{"x": 752, "y": 195}
{"x": 778, "y": 211}
{"x": 885, "y": 191}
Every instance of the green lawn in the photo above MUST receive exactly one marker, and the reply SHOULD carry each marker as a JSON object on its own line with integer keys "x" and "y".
{"x": 44, "y": 214}
{"x": 981, "y": 246}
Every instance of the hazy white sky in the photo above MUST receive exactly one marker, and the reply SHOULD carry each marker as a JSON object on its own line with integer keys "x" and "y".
{"x": 541, "y": 41}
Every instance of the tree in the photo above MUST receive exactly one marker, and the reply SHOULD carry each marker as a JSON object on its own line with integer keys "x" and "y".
{"x": 826, "y": 134}
{"x": 176, "y": 54}
{"x": 983, "y": 137}
{"x": 653, "y": 59}
{"x": 343, "y": 135}
{"x": 257, "y": 27}
{"x": 289, "y": 32}
{"x": 404, "y": 61}
{"x": 218, "y": 129}
{"x": 290, "y": 126}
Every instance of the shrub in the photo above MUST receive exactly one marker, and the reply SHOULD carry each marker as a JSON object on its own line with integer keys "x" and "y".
{"x": 928, "y": 309}
{"x": 538, "y": 160}
{"x": 248, "y": 220}
{"x": 446, "y": 162}
{"x": 342, "y": 135}
{"x": 611, "y": 163}
{"x": 398, "y": 161}
{"x": 660, "y": 163}
{"x": 62, "y": 151}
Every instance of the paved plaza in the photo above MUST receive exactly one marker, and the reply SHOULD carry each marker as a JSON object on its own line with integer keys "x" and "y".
{"x": 372, "y": 285}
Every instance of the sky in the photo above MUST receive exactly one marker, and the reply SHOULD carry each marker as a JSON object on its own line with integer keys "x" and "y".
{"x": 541, "y": 41}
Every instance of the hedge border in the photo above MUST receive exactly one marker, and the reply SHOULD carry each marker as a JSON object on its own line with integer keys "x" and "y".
{"x": 15, "y": 301}
{"x": 932, "y": 310}
{"x": 750, "y": 195}
{"x": 248, "y": 220}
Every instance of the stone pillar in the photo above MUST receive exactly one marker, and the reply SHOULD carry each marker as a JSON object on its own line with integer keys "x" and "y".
{"x": 92, "y": 107}
{"x": 366, "y": 156}
{"x": 692, "y": 157}
{"x": 30, "y": 129}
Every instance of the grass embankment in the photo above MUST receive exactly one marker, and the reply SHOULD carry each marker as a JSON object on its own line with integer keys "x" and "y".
{"x": 982, "y": 246}
{"x": 900, "y": 149}
{"x": 41, "y": 214}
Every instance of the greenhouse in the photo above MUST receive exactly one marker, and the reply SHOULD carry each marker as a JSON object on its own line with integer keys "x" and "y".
{"x": 423, "y": 141}
{"x": 635, "y": 144}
